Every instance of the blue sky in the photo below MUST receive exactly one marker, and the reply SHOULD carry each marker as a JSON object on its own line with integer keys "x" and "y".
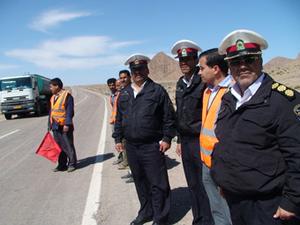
{"x": 86, "y": 42}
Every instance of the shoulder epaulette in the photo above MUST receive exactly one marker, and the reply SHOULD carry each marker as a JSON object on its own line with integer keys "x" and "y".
{"x": 284, "y": 90}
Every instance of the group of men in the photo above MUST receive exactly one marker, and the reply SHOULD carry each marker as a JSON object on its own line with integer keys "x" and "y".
{"x": 238, "y": 135}
{"x": 115, "y": 86}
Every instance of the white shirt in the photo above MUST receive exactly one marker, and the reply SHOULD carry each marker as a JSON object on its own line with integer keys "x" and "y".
{"x": 188, "y": 82}
{"x": 226, "y": 82}
{"x": 248, "y": 93}
{"x": 137, "y": 90}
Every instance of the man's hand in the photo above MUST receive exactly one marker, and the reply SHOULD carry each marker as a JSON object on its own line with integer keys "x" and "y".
{"x": 119, "y": 147}
{"x": 283, "y": 214}
{"x": 164, "y": 146}
{"x": 65, "y": 128}
{"x": 178, "y": 150}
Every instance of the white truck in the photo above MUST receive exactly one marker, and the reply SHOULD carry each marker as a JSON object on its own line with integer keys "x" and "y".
{"x": 25, "y": 94}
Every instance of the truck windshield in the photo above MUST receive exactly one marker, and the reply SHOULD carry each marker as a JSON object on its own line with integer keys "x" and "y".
{"x": 17, "y": 83}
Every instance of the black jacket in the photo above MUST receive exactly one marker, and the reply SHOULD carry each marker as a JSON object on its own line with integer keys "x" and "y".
{"x": 258, "y": 153}
{"x": 189, "y": 106}
{"x": 150, "y": 117}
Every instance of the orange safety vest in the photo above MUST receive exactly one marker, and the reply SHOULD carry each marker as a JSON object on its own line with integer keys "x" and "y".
{"x": 114, "y": 110}
{"x": 58, "y": 110}
{"x": 209, "y": 116}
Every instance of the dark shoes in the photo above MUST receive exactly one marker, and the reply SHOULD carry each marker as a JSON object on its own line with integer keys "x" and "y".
{"x": 130, "y": 180}
{"x": 71, "y": 169}
{"x": 140, "y": 221}
{"x": 60, "y": 168}
{"x": 128, "y": 175}
{"x": 64, "y": 168}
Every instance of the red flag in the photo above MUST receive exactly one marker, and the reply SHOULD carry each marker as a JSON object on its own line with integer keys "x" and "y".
{"x": 49, "y": 148}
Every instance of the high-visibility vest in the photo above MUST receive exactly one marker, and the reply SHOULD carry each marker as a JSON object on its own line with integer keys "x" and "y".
{"x": 209, "y": 116}
{"x": 58, "y": 110}
{"x": 114, "y": 110}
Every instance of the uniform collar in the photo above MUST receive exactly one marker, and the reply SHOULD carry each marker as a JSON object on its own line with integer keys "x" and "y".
{"x": 251, "y": 90}
{"x": 262, "y": 94}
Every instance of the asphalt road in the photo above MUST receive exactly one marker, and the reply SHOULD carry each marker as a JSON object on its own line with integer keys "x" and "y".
{"x": 32, "y": 194}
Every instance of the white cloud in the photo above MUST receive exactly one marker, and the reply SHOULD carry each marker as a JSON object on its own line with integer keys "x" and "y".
{"x": 82, "y": 52}
{"x": 53, "y": 18}
{"x": 8, "y": 66}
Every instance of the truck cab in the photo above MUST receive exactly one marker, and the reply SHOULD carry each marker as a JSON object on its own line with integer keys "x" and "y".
{"x": 24, "y": 95}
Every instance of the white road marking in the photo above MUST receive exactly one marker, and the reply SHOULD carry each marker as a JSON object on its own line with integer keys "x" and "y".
{"x": 93, "y": 197}
{"x": 77, "y": 103}
{"x": 10, "y": 133}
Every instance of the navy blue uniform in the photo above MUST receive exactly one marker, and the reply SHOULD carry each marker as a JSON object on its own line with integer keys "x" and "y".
{"x": 143, "y": 122}
{"x": 257, "y": 159}
{"x": 188, "y": 114}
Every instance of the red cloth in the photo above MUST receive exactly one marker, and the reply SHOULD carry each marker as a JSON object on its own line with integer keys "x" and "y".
{"x": 49, "y": 148}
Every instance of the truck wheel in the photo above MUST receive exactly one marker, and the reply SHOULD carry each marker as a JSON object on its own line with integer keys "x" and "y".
{"x": 7, "y": 116}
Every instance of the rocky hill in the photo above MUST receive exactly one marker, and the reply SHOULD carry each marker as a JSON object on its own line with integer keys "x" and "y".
{"x": 164, "y": 68}
{"x": 284, "y": 70}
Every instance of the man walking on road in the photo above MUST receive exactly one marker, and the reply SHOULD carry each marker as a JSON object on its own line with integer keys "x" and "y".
{"x": 146, "y": 119}
{"x": 61, "y": 124}
{"x": 189, "y": 90}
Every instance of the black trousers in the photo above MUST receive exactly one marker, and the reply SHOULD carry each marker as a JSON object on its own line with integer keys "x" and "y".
{"x": 150, "y": 176}
{"x": 65, "y": 140}
{"x": 192, "y": 165}
{"x": 255, "y": 211}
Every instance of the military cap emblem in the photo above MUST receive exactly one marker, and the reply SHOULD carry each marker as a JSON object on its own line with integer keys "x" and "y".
{"x": 297, "y": 110}
{"x": 275, "y": 85}
{"x": 183, "y": 52}
{"x": 281, "y": 88}
{"x": 240, "y": 45}
{"x": 136, "y": 62}
{"x": 289, "y": 93}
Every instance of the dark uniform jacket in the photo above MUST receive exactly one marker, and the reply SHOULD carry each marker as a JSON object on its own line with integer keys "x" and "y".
{"x": 258, "y": 153}
{"x": 189, "y": 106}
{"x": 150, "y": 117}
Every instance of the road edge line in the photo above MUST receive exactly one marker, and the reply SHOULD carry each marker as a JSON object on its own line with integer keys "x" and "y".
{"x": 93, "y": 198}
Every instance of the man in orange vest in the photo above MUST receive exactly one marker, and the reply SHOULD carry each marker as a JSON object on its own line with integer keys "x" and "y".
{"x": 61, "y": 124}
{"x": 118, "y": 86}
{"x": 213, "y": 71}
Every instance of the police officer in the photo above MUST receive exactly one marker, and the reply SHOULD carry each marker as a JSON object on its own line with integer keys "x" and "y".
{"x": 146, "y": 120}
{"x": 257, "y": 159}
{"x": 61, "y": 124}
{"x": 189, "y": 90}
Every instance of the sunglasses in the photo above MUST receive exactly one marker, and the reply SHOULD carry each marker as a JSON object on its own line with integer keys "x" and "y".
{"x": 246, "y": 60}
{"x": 138, "y": 68}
